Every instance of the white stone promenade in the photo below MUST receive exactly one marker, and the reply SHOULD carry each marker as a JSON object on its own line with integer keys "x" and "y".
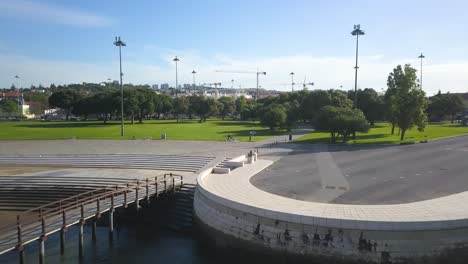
{"x": 378, "y": 233}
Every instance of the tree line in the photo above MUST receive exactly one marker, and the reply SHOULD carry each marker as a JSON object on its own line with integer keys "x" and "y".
{"x": 404, "y": 105}
{"x": 144, "y": 103}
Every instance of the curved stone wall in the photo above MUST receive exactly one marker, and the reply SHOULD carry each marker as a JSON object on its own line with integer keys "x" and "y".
{"x": 376, "y": 233}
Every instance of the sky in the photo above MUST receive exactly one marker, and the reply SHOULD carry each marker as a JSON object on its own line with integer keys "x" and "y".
{"x": 68, "y": 41}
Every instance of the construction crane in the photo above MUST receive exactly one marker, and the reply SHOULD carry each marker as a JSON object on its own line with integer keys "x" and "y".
{"x": 216, "y": 84}
{"x": 305, "y": 83}
{"x": 248, "y": 72}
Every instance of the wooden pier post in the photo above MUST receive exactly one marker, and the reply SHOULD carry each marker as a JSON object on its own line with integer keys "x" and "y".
{"x": 41, "y": 251}
{"x": 137, "y": 206}
{"x": 81, "y": 234}
{"x": 93, "y": 231}
{"x": 22, "y": 255}
{"x": 62, "y": 233}
{"x": 156, "y": 186}
{"x": 111, "y": 220}
{"x": 147, "y": 192}
{"x": 42, "y": 240}
{"x": 96, "y": 218}
{"x": 20, "y": 246}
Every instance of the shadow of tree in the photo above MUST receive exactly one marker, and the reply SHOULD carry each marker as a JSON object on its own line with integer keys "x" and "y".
{"x": 69, "y": 125}
{"x": 236, "y": 123}
{"x": 263, "y": 132}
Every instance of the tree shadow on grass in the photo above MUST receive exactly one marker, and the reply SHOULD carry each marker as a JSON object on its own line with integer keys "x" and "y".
{"x": 101, "y": 124}
{"x": 244, "y": 133}
{"x": 236, "y": 123}
{"x": 370, "y": 136}
{"x": 167, "y": 122}
{"x": 68, "y": 125}
{"x": 327, "y": 140}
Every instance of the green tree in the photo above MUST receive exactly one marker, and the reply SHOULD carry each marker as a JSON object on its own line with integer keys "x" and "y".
{"x": 441, "y": 105}
{"x": 164, "y": 104}
{"x": 181, "y": 106}
{"x": 341, "y": 121}
{"x": 313, "y": 102}
{"x": 340, "y": 99}
{"x": 293, "y": 114}
{"x": 455, "y": 105}
{"x": 65, "y": 99}
{"x": 130, "y": 101}
{"x": 227, "y": 106}
{"x": 105, "y": 105}
{"x": 408, "y": 102}
{"x": 146, "y": 102}
{"x": 370, "y": 103}
{"x": 241, "y": 104}
{"x": 84, "y": 107}
{"x": 274, "y": 116}
{"x": 9, "y": 107}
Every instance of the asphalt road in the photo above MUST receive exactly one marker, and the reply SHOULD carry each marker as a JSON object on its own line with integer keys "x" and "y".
{"x": 369, "y": 174}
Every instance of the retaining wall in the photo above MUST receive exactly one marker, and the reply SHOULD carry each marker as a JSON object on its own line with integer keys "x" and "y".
{"x": 392, "y": 240}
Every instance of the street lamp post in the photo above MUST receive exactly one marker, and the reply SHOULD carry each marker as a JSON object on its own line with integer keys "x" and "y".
{"x": 292, "y": 81}
{"x": 421, "y": 73}
{"x": 258, "y": 73}
{"x": 119, "y": 43}
{"x": 193, "y": 73}
{"x": 176, "y": 80}
{"x": 356, "y": 32}
{"x": 232, "y": 83}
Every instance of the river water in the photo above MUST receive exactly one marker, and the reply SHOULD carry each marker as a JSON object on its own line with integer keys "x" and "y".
{"x": 143, "y": 239}
{"x": 137, "y": 244}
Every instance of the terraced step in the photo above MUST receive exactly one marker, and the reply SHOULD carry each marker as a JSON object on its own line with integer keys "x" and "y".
{"x": 131, "y": 161}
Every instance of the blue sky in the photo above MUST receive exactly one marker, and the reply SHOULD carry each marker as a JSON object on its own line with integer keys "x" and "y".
{"x": 71, "y": 41}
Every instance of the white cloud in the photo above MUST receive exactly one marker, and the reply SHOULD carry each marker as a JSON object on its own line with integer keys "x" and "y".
{"x": 24, "y": 9}
{"x": 326, "y": 72}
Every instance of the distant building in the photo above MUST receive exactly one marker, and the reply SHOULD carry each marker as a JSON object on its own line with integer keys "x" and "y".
{"x": 164, "y": 86}
{"x": 155, "y": 86}
{"x": 38, "y": 90}
{"x": 187, "y": 86}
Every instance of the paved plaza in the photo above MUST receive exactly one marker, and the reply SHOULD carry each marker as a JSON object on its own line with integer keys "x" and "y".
{"x": 319, "y": 173}
{"x": 370, "y": 174}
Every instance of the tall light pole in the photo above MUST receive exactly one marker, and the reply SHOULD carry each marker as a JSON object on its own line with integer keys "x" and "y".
{"x": 119, "y": 43}
{"x": 292, "y": 81}
{"x": 258, "y": 73}
{"x": 176, "y": 80}
{"x": 232, "y": 83}
{"x": 420, "y": 79}
{"x": 18, "y": 99}
{"x": 193, "y": 75}
{"x": 356, "y": 32}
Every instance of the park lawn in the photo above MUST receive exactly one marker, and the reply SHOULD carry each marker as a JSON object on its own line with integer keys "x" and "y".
{"x": 380, "y": 133}
{"x": 212, "y": 129}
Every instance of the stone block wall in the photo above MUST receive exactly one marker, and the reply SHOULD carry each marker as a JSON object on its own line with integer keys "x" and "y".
{"x": 376, "y": 246}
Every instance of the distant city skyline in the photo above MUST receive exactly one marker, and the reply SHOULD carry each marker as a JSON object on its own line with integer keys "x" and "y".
{"x": 53, "y": 42}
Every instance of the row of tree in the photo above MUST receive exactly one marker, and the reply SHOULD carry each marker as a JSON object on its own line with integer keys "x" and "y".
{"x": 143, "y": 103}
{"x": 404, "y": 105}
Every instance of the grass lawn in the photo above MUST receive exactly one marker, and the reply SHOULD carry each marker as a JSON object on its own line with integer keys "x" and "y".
{"x": 380, "y": 133}
{"x": 184, "y": 130}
